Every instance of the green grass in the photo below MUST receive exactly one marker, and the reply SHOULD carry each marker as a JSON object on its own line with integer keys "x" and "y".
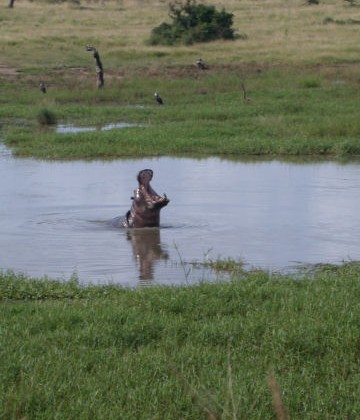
{"x": 301, "y": 75}
{"x": 289, "y": 115}
{"x": 105, "y": 352}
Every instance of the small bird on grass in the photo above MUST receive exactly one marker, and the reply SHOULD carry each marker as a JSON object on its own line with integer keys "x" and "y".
{"x": 158, "y": 99}
{"x": 200, "y": 64}
{"x": 42, "y": 87}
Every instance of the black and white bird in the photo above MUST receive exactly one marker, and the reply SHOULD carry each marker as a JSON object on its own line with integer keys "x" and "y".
{"x": 42, "y": 87}
{"x": 158, "y": 99}
{"x": 99, "y": 67}
{"x": 200, "y": 64}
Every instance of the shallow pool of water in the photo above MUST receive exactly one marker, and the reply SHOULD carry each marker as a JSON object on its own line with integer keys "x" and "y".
{"x": 273, "y": 215}
{"x": 73, "y": 129}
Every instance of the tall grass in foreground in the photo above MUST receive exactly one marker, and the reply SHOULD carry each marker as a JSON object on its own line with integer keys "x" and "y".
{"x": 224, "y": 350}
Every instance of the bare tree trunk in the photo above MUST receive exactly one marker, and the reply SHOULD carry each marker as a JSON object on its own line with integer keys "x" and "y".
{"x": 99, "y": 66}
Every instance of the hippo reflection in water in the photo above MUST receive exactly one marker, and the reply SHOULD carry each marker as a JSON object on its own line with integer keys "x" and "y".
{"x": 146, "y": 206}
{"x": 147, "y": 251}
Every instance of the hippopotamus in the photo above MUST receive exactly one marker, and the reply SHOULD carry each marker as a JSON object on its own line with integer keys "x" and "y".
{"x": 146, "y": 205}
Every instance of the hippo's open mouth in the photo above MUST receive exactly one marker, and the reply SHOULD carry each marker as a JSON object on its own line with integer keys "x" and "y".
{"x": 147, "y": 194}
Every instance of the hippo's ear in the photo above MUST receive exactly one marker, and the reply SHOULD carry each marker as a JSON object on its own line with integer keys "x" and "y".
{"x": 145, "y": 176}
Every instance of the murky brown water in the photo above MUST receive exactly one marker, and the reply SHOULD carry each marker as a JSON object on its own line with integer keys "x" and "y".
{"x": 54, "y": 217}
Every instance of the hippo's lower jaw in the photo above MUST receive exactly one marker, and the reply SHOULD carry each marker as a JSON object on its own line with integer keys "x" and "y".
{"x": 157, "y": 203}
{"x": 146, "y": 206}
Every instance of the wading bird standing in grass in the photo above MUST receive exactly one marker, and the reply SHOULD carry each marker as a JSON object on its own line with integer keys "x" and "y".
{"x": 158, "y": 99}
{"x": 42, "y": 87}
{"x": 245, "y": 97}
{"x": 99, "y": 66}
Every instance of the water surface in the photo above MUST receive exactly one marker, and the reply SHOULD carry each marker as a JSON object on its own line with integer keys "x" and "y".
{"x": 71, "y": 128}
{"x": 271, "y": 214}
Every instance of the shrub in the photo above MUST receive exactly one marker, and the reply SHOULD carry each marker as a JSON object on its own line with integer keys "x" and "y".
{"x": 46, "y": 117}
{"x": 193, "y": 22}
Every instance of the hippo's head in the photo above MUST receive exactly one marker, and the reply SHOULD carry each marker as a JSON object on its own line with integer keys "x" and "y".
{"x": 145, "y": 210}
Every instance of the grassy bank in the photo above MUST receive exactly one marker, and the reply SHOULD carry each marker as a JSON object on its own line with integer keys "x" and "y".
{"x": 312, "y": 113}
{"x": 300, "y": 76}
{"x": 105, "y": 352}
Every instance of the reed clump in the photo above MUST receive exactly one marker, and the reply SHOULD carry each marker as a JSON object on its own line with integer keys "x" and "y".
{"x": 46, "y": 117}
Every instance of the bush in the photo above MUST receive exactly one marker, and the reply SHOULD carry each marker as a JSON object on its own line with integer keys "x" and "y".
{"x": 46, "y": 117}
{"x": 193, "y": 22}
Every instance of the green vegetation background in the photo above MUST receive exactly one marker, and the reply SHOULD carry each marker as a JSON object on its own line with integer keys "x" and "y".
{"x": 290, "y": 87}
{"x": 204, "y": 113}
